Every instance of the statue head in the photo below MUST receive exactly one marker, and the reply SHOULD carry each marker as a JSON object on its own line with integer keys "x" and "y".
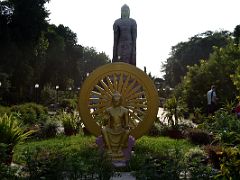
{"x": 116, "y": 99}
{"x": 125, "y": 11}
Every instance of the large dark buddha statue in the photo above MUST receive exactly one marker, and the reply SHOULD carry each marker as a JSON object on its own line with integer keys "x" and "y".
{"x": 125, "y": 35}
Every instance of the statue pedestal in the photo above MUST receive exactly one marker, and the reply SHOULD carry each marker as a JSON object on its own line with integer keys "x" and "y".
{"x": 126, "y": 152}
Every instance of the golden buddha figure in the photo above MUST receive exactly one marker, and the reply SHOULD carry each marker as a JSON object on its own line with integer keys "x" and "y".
{"x": 116, "y": 131}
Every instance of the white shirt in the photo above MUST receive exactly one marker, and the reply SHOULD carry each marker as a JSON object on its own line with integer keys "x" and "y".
{"x": 211, "y": 95}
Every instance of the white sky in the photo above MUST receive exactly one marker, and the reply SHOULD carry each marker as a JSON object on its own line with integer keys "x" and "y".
{"x": 161, "y": 23}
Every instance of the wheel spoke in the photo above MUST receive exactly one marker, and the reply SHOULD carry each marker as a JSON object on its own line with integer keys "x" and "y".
{"x": 137, "y": 95}
{"x": 120, "y": 83}
{"x": 133, "y": 91}
{"x": 125, "y": 85}
{"x": 102, "y": 91}
{"x": 115, "y": 82}
{"x": 110, "y": 84}
{"x": 107, "y": 89}
{"x": 98, "y": 111}
{"x": 138, "y": 111}
{"x": 129, "y": 88}
{"x": 95, "y": 93}
{"x": 137, "y": 100}
{"x": 135, "y": 116}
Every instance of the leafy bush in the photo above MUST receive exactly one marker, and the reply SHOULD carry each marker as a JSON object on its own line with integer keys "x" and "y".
{"x": 175, "y": 108}
{"x": 225, "y": 126}
{"x": 158, "y": 145}
{"x": 214, "y": 154}
{"x": 229, "y": 138}
{"x": 11, "y": 134}
{"x": 70, "y": 121}
{"x": 198, "y": 117}
{"x": 4, "y": 110}
{"x": 156, "y": 129}
{"x": 70, "y": 104}
{"x": 164, "y": 158}
{"x": 48, "y": 95}
{"x": 73, "y": 157}
{"x": 31, "y": 113}
{"x": 196, "y": 164}
{"x": 223, "y": 121}
{"x": 157, "y": 158}
{"x": 173, "y": 164}
{"x": 230, "y": 164}
{"x": 198, "y": 136}
{"x": 50, "y": 127}
{"x": 6, "y": 171}
{"x": 161, "y": 129}
{"x": 174, "y": 133}
{"x": 168, "y": 166}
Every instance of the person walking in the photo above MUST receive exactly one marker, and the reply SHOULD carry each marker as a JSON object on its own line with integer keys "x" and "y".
{"x": 211, "y": 100}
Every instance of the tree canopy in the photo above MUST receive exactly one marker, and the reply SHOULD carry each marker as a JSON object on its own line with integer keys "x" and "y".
{"x": 34, "y": 51}
{"x": 188, "y": 53}
{"x": 221, "y": 69}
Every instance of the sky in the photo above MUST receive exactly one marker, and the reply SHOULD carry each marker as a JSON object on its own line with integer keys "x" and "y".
{"x": 161, "y": 24}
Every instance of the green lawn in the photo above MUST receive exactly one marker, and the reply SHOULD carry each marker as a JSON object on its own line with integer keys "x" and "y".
{"x": 73, "y": 144}
{"x": 77, "y": 156}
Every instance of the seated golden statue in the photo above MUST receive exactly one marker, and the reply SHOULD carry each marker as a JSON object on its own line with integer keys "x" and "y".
{"x": 116, "y": 131}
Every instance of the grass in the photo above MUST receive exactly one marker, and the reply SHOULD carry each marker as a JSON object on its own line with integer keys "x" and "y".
{"x": 70, "y": 145}
{"x": 154, "y": 153}
{"x": 64, "y": 145}
{"x": 77, "y": 156}
{"x": 160, "y": 145}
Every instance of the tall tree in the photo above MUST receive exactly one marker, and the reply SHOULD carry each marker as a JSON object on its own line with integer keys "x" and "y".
{"x": 22, "y": 29}
{"x": 236, "y": 34}
{"x": 218, "y": 70}
{"x": 188, "y": 53}
{"x": 33, "y": 51}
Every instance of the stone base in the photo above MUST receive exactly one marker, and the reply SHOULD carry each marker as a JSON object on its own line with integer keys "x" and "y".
{"x": 126, "y": 152}
{"x": 123, "y": 176}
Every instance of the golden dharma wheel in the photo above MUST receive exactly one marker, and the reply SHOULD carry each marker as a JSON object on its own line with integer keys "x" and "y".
{"x": 138, "y": 91}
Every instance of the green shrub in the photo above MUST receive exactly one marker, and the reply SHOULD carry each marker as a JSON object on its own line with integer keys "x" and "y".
{"x": 4, "y": 110}
{"x": 214, "y": 153}
{"x": 225, "y": 127}
{"x": 70, "y": 122}
{"x": 230, "y": 164}
{"x": 156, "y": 129}
{"x": 48, "y": 95}
{"x": 174, "y": 108}
{"x": 31, "y": 113}
{"x": 74, "y": 157}
{"x": 161, "y": 166}
{"x": 164, "y": 158}
{"x": 229, "y": 138}
{"x": 197, "y": 165}
{"x": 11, "y": 134}
{"x": 50, "y": 127}
{"x": 199, "y": 136}
{"x": 223, "y": 121}
{"x": 158, "y": 145}
{"x": 195, "y": 152}
{"x": 69, "y": 104}
{"x": 198, "y": 116}
{"x": 6, "y": 171}
{"x": 160, "y": 129}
